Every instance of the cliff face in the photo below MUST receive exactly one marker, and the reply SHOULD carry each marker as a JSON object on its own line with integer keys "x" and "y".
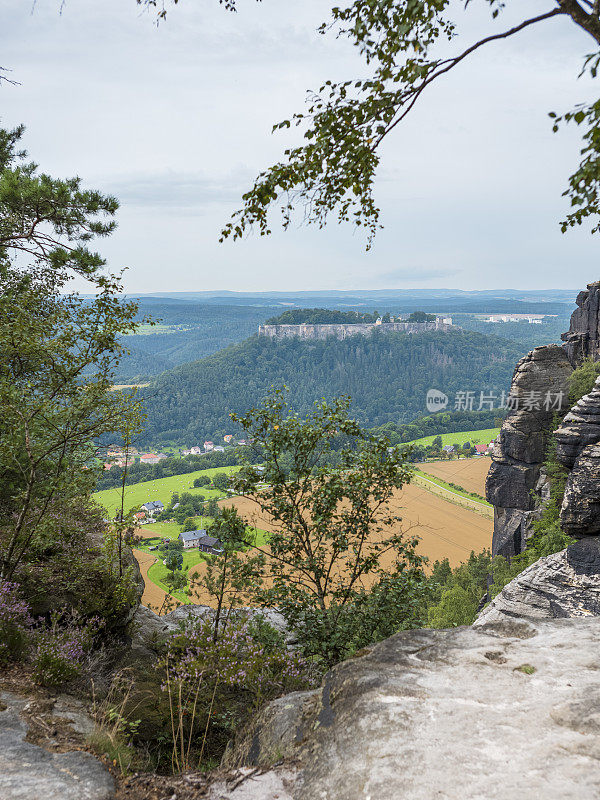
{"x": 540, "y": 390}
{"x": 583, "y": 337}
{"x": 343, "y": 330}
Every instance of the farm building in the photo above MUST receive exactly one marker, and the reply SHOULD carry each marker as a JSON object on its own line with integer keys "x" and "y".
{"x": 153, "y": 507}
{"x": 201, "y": 540}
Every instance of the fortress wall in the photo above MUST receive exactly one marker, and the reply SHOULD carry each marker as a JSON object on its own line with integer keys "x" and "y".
{"x": 342, "y": 331}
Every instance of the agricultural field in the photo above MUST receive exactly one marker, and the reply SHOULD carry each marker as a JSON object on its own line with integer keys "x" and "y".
{"x": 470, "y": 473}
{"x": 474, "y": 437}
{"x": 159, "y": 489}
{"x": 154, "y": 571}
{"x": 446, "y": 530}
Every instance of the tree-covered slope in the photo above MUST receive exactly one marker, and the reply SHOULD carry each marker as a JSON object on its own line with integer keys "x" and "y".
{"x": 387, "y": 376}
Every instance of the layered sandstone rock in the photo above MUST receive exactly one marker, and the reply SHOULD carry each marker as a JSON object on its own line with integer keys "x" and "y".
{"x": 583, "y": 337}
{"x": 579, "y": 428}
{"x": 580, "y": 511}
{"x": 501, "y": 711}
{"x": 565, "y": 584}
{"x": 540, "y": 390}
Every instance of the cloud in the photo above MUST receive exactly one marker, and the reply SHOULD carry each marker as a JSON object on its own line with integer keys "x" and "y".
{"x": 413, "y": 275}
{"x": 176, "y": 190}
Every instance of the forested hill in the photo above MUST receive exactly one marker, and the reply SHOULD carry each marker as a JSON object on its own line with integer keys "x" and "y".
{"x": 387, "y": 376}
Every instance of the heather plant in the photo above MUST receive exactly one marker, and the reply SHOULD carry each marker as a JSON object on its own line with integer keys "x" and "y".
{"x": 213, "y": 686}
{"x": 60, "y": 650}
{"x": 15, "y": 624}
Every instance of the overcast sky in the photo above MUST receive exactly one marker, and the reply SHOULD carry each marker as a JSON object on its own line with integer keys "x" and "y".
{"x": 175, "y": 120}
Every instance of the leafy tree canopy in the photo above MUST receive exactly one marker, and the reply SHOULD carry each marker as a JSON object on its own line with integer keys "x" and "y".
{"x": 346, "y": 122}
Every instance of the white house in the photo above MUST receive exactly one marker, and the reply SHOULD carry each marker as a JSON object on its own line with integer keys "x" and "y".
{"x": 201, "y": 540}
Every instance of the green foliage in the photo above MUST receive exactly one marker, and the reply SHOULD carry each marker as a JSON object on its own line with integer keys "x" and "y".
{"x": 364, "y": 367}
{"x": 50, "y": 220}
{"x": 220, "y": 481}
{"x": 58, "y": 351}
{"x": 455, "y": 594}
{"x": 421, "y": 316}
{"x": 230, "y": 579}
{"x": 331, "y": 527}
{"x": 441, "y": 423}
{"x": 583, "y": 378}
{"x": 203, "y": 480}
{"x": 346, "y": 122}
{"x": 189, "y": 524}
{"x": 214, "y": 685}
{"x": 173, "y": 560}
{"x": 322, "y": 316}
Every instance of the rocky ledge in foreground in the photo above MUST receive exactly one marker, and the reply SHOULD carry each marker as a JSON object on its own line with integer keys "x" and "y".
{"x": 31, "y": 772}
{"x": 505, "y": 710}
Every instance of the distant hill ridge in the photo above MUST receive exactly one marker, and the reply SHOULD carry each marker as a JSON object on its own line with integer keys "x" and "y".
{"x": 387, "y": 377}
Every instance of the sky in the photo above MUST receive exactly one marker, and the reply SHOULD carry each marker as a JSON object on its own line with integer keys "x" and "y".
{"x": 175, "y": 120}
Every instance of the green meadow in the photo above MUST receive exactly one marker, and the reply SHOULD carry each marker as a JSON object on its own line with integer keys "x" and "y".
{"x": 474, "y": 437}
{"x": 159, "y": 489}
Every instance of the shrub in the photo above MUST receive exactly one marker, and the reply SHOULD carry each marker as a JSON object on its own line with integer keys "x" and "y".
{"x": 59, "y": 653}
{"x": 15, "y": 623}
{"x": 582, "y": 379}
{"x": 214, "y": 686}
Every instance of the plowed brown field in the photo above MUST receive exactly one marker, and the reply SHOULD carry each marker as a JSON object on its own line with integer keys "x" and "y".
{"x": 446, "y": 530}
{"x": 469, "y": 473}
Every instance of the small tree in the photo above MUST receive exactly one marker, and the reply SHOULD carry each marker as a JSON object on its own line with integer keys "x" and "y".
{"x": 58, "y": 351}
{"x": 229, "y": 577}
{"x": 189, "y": 524}
{"x": 212, "y": 508}
{"x": 220, "y": 481}
{"x": 174, "y": 560}
{"x": 334, "y": 532}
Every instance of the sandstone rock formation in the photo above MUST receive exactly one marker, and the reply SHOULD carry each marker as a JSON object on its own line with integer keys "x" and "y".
{"x": 540, "y": 390}
{"x": 31, "y": 772}
{"x": 501, "y": 711}
{"x": 516, "y": 483}
{"x": 565, "y": 584}
{"x": 583, "y": 337}
{"x": 580, "y": 511}
{"x": 579, "y": 428}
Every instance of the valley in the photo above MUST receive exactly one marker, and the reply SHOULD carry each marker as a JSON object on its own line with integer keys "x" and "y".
{"x": 448, "y": 527}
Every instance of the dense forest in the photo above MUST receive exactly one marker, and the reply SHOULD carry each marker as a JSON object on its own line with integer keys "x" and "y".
{"x": 322, "y": 316}
{"x": 387, "y": 376}
{"x": 184, "y": 332}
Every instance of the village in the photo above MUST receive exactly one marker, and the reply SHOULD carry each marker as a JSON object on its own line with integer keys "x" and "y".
{"x": 118, "y": 456}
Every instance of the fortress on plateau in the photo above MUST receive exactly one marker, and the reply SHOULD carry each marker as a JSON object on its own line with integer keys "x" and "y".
{"x": 343, "y": 330}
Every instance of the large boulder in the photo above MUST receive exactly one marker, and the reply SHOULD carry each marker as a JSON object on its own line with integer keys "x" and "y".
{"x": 501, "y": 711}
{"x": 565, "y": 584}
{"x": 539, "y": 391}
{"x": 29, "y": 771}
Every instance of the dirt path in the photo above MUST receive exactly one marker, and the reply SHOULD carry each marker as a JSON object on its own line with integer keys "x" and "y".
{"x": 470, "y": 473}
{"x": 454, "y": 497}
